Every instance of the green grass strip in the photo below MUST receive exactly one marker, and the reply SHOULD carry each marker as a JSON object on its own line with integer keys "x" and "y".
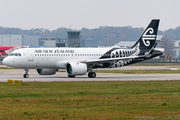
{"x": 91, "y": 100}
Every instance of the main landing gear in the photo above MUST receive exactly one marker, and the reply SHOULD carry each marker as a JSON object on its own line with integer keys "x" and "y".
{"x": 26, "y": 73}
{"x": 91, "y": 74}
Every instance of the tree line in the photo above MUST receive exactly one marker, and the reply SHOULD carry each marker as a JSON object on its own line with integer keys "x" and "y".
{"x": 102, "y": 36}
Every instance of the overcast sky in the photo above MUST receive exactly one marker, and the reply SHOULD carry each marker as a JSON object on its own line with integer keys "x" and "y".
{"x": 78, "y": 14}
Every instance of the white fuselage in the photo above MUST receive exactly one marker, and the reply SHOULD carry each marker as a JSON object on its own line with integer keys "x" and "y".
{"x": 37, "y": 58}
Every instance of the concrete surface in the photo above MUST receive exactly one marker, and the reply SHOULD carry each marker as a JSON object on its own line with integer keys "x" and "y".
{"x": 17, "y": 74}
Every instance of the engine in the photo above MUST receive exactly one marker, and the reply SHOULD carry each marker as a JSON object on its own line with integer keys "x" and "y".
{"x": 47, "y": 71}
{"x": 76, "y": 68}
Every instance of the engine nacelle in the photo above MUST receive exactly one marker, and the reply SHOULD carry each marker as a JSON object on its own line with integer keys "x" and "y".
{"x": 76, "y": 68}
{"x": 46, "y": 71}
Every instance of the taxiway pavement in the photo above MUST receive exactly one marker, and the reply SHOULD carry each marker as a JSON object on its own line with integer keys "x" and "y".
{"x": 17, "y": 74}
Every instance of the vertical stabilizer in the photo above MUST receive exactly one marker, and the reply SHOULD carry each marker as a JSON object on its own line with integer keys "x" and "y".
{"x": 147, "y": 40}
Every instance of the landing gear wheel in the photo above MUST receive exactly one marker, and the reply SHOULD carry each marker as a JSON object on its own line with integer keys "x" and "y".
{"x": 25, "y": 75}
{"x": 71, "y": 76}
{"x": 91, "y": 74}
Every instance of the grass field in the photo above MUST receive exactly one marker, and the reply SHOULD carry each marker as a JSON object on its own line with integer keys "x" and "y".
{"x": 91, "y": 100}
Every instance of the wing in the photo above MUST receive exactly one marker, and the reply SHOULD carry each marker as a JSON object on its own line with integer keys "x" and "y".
{"x": 109, "y": 59}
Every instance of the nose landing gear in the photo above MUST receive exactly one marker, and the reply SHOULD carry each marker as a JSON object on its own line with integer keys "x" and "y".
{"x": 26, "y": 73}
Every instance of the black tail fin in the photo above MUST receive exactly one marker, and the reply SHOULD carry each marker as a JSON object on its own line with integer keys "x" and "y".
{"x": 148, "y": 38}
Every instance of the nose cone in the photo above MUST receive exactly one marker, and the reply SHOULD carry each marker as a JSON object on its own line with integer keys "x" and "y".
{"x": 6, "y": 61}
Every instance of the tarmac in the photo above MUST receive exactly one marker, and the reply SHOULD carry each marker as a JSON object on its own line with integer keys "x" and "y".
{"x": 17, "y": 74}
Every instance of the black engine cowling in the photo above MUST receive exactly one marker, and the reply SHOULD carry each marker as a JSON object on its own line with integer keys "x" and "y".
{"x": 76, "y": 68}
{"x": 46, "y": 71}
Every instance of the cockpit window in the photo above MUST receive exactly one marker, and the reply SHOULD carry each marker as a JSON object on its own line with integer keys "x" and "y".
{"x": 11, "y": 54}
{"x": 15, "y": 54}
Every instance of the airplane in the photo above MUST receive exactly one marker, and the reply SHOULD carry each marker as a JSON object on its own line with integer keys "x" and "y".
{"x": 5, "y": 50}
{"x": 78, "y": 61}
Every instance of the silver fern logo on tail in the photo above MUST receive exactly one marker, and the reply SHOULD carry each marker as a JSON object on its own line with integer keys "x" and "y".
{"x": 148, "y": 36}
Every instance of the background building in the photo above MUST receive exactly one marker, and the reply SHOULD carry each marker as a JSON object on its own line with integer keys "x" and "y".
{"x": 61, "y": 42}
{"x": 125, "y": 44}
{"x": 176, "y": 49}
{"x": 74, "y": 39}
{"x": 47, "y": 42}
{"x": 19, "y": 40}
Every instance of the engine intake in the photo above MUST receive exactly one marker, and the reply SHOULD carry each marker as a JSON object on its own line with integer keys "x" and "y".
{"x": 76, "y": 68}
{"x": 46, "y": 71}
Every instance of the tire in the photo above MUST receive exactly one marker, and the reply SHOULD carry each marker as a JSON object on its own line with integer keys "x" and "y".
{"x": 25, "y": 75}
{"x": 91, "y": 74}
{"x": 71, "y": 76}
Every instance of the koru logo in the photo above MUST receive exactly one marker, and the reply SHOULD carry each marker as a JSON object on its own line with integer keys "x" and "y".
{"x": 146, "y": 38}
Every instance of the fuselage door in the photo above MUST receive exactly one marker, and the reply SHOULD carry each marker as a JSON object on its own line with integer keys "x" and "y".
{"x": 30, "y": 55}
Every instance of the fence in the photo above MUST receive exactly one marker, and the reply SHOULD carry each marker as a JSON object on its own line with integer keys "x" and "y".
{"x": 162, "y": 61}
